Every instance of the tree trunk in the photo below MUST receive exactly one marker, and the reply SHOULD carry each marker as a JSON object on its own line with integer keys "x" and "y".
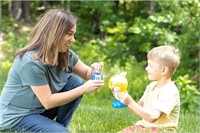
{"x": 25, "y": 11}
{"x": 19, "y": 10}
{"x": 15, "y": 9}
{"x": 152, "y": 6}
{"x": 0, "y": 9}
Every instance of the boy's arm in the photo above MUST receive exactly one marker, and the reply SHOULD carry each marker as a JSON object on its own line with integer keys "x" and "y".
{"x": 140, "y": 103}
{"x": 150, "y": 116}
{"x": 138, "y": 109}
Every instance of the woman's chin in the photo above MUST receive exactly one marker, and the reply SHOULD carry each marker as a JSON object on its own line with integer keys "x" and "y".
{"x": 63, "y": 51}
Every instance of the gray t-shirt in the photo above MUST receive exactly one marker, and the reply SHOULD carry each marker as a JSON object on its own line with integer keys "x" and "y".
{"x": 17, "y": 98}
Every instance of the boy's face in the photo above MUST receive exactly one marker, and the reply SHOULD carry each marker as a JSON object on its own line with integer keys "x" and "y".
{"x": 154, "y": 70}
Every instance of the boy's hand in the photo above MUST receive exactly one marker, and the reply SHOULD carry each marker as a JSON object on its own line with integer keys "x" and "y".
{"x": 123, "y": 97}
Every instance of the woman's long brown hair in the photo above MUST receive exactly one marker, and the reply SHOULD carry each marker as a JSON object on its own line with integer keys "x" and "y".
{"x": 46, "y": 36}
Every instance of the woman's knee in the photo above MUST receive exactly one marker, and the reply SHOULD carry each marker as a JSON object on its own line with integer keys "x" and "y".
{"x": 57, "y": 128}
{"x": 73, "y": 82}
{"x": 77, "y": 80}
{"x": 38, "y": 123}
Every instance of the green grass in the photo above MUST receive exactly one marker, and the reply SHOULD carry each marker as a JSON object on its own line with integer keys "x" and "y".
{"x": 98, "y": 116}
{"x": 189, "y": 123}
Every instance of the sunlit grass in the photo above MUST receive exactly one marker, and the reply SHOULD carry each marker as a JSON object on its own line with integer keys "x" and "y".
{"x": 99, "y": 116}
{"x": 189, "y": 123}
{"x": 95, "y": 115}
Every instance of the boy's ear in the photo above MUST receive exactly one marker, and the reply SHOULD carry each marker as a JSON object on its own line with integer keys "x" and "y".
{"x": 165, "y": 70}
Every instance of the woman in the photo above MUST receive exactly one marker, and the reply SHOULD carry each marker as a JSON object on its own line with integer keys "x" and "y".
{"x": 40, "y": 84}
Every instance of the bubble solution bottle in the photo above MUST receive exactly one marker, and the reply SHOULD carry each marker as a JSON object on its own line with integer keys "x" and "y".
{"x": 97, "y": 76}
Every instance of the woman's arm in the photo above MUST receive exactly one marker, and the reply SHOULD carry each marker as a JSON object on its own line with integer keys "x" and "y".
{"x": 85, "y": 71}
{"x": 82, "y": 70}
{"x": 50, "y": 100}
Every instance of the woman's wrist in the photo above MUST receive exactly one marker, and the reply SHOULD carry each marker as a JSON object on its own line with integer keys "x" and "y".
{"x": 81, "y": 90}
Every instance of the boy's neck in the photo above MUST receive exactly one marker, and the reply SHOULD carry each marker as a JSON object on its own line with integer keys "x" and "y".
{"x": 163, "y": 82}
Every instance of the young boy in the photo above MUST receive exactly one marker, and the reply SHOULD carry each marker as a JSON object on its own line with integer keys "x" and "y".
{"x": 160, "y": 104}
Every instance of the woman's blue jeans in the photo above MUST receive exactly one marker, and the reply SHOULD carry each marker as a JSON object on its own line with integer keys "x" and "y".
{"x": 45, "y": 122}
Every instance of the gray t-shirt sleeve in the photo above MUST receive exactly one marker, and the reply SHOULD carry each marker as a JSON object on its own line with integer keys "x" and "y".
{"x": 33, "y": 74}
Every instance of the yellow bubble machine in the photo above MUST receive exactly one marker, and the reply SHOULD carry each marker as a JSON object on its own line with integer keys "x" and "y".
{"x": 118, "y": 83}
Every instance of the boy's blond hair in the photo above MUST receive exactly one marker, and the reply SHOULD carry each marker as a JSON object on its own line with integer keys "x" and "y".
{"x": 165, "y": 55}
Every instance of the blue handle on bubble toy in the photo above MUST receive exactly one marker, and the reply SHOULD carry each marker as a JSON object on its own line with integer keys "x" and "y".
{"x": 117, "y": 104}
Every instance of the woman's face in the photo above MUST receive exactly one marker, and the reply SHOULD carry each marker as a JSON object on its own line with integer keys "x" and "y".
{"x": 67, "y": 40}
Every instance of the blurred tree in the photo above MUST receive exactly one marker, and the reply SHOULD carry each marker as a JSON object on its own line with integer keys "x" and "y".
{"x": 0, "y": 9}
{"x": 19, "y": 10}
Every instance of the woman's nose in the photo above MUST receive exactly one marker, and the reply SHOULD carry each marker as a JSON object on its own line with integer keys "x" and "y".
{"x": 72, "y": 39}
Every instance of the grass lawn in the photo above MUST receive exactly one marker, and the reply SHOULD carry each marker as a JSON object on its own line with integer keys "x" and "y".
{"x": 95, "y": 115}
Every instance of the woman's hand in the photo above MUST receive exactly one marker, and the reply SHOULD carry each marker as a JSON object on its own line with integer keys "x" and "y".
{"x": 97, "y": 66}
{"x": 92, "y": 85}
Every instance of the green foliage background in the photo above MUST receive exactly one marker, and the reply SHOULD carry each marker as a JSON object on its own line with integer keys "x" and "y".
{"x": 120, "y": 33}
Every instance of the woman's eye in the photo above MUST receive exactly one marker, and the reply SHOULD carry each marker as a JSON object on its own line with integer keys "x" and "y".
{"x": 70, "y": 34}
